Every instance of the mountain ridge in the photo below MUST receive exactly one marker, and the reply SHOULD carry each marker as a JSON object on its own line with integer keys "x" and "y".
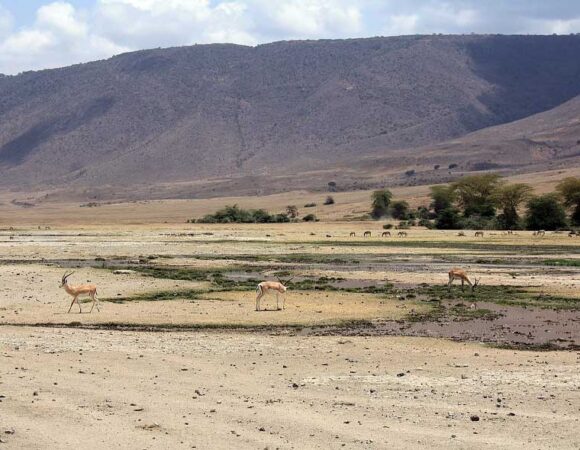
{"x": 225, "y": 110}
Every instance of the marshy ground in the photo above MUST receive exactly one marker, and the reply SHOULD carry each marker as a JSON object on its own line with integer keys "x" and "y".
{"x": 341, "y": 366}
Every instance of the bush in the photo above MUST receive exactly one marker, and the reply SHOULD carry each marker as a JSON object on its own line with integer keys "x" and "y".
{"x": 400, "y": 209}
{"x": 310, "y": 205}
{"x": 448, "y": 219}
{"x": 452, "y": 166}
{"x": 436, "y": 166}
{"x": 235, "y": 214}
{"x": 426, "y": 223}
{"x": 387, "y": 226}
{"x": 329, "y": 200}
{"x": 403, "y": 225}
{"x": 545, "y": 212}
{"x": 310, "y": 218}
{"x": 477, "y": 222}
{"x": 410, "y": 173}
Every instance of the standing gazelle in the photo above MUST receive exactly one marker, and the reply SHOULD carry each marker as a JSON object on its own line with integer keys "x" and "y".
{"x": 89, "y": 290}
{"x": 277, "y": 286}
{"x": 462, "y": 275}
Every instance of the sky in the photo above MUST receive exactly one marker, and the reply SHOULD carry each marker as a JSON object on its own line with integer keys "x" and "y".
{"x": 40, "y": 34}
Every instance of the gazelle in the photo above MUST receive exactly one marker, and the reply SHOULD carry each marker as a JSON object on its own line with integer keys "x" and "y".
{"x": 402, "y": 234}
{"x": 479, "y": 234}
{"x": 89, "y": 290}
{"x": 457, "y": 273}
{"x": 367, "y": 233}
{"x": 386, "y": 234}
{"x": 277, "y": 286}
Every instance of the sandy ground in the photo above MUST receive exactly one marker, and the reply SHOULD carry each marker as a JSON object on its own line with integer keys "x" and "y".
{"x": 85, "y": 389}
{"x": 98, "y": 388}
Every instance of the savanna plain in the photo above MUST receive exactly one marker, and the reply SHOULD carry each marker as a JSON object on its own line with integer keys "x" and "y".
{"x": 372, "y": 349}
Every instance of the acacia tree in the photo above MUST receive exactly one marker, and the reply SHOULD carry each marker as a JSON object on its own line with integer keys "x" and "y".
{"x": 442, "y": 198}
{"x": 381, "y": 201}
{"x": 569, "y": 189}
{"x": 508, "y": 198}
{"x": 474, "y": 194}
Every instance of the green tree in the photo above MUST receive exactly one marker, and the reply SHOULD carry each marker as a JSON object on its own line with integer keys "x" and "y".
{"x": 448, "y": 219}
{"x": 292, "y": 211}
{"x": 545, "y": 212}
{"x": 442, "y": 198}
{"x": 508, "y": 198}
{"x": 569, "y": 189}
{"x": 381, "y": 201}
{"x": 400, "y": 209}
{"x": 474, "y": 194}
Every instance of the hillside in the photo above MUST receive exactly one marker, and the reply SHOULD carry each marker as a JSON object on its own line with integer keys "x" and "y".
{"x": 218, "y": 111}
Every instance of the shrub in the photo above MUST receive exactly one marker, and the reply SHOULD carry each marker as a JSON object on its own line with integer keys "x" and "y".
{"x": 404, "y": 225}
{"x": 452, "y": 166}
{"x": 448, "y": 219}
{"x": 235, "y": 214}
{"x": 310, "y": 218}
{"x": 545, "y": 212}
{"x": 400, "y": 209}
{"x": 329, "y": 200}
{"x": 436, "y": 166}
{"x": 426, "y": 223}
{"x": 410, "y": 173}
{"x": 310, "y": 205}
{"x": 387, "y": 226}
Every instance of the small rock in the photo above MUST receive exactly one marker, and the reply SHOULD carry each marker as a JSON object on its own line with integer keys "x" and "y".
{"x": 474, "y": 418}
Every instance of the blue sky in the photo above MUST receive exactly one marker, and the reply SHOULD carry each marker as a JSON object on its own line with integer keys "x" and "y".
{"x": 38, "y": 34}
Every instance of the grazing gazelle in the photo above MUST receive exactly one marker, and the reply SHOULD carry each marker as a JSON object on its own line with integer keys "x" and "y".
{"x": 367, "y": 233}
{"x": 462, "y": 275}
{"x": 352, "y": 234}
{"x": 479, "y": 234}
{"x": 89, "y": 290}
{"x": 386, "y": 234}
{"x": 277, "y": 286}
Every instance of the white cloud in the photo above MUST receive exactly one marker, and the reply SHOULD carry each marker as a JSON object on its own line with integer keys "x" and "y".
{"x": 62, "y": 34}
{"x": 58, "y": 37}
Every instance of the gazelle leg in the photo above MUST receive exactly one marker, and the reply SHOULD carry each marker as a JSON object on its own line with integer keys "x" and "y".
{"x": 97, "y": 302}
{"x": 258, "y": 297}
{"x": 462, "y": 285}
{"x": 449, "y": 284}
{"x": 72, "y": 303}
{"x": 277, "y": 300}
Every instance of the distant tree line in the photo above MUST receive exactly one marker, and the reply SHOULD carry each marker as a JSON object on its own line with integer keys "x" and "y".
{"x": 235, "y": 214}
{"x": 487, "y": 202}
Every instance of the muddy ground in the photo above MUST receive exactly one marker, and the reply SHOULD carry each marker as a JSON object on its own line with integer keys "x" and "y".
{"x": 177, "y": 357}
